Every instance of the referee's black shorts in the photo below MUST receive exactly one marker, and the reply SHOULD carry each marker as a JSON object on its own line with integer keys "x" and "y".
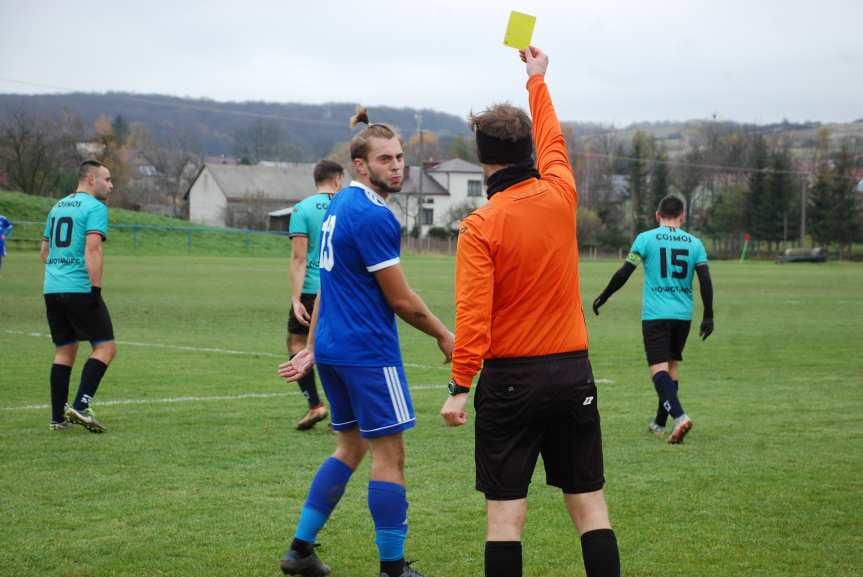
{"x": 295, "y": 327}
{"x": 664, "y": 340}
{"x": 74, "y": 317}
{"x": 531, "y": 406}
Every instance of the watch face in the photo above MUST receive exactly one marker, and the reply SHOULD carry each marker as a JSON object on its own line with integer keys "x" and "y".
{"x": 455, "y": 388}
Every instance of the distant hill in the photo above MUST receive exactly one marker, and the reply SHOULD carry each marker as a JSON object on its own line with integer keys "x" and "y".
{"x": 312, "y": 128}
{"x": 678, "y": 137}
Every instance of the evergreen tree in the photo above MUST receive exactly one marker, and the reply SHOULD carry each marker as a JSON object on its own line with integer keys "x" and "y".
{"x": 659, "y": 178}
{"x": 776, "y": 209}
{"x": 757, "y": 199}
{"x": 845, "y": 219}
{"x": 689, "y": 176}
{"x": 638, "y": 182}
{"x": 121, "y": 129}
{"x": 820, "y": 212}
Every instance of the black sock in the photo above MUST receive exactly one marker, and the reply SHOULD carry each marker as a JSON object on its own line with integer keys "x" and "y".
{"x": 60, "y": 375}
{"x": 393, "y": 568}
{"x": 661, "y": 413}
{"x": 503, "y": 559}
{"x": 668, "y": 393}
{"x": 304, "y": 548}
{"x": 599, "y": 549}
{"x": 309, "y": 388}
{"x": 91, "y": 376}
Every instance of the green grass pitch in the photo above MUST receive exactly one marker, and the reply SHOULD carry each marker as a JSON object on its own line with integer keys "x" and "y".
{"x": 201, "y": 471}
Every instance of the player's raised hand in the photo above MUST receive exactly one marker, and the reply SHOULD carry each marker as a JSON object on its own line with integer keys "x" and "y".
{"x": 446, "y": 344}
{"x": 706, "y": 328}
{"x": 298, "y": 366}
{"x": 300, "y": 312}
{"x": 453, "y": 410}
{"x": 536, "y": 60}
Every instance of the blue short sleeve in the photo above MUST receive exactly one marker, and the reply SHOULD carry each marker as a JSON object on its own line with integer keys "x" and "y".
{"x": 299, "y": 223}
{"x": 97, "y": 220}
{"x": 379, "y": 240}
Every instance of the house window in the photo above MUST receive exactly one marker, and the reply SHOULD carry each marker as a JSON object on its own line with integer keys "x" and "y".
{"x": 428, "y": 200}
{"x": 428, "y": 217}
{"x": 474, "y": 188}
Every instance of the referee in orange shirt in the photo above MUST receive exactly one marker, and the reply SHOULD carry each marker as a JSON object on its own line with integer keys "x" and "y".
{"x": 519, "y": 317}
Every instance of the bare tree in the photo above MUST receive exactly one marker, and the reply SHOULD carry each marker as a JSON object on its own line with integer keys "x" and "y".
{"x": 31, "y": 153}
{"x": 176, "y": 162}
{"x": 457, "y": 212}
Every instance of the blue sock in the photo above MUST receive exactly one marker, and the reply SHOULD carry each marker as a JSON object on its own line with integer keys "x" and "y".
{"x": 326, "y": 489}
{"x": 664, "y": 385}
{"x": 389, "y": 507}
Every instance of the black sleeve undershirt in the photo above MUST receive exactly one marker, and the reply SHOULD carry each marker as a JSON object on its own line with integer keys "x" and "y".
{"x": 706, "y": 289}
{"x": 618, "y": 280}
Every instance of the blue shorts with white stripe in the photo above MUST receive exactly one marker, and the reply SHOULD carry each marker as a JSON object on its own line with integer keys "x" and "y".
{"x": 375, "y": 399}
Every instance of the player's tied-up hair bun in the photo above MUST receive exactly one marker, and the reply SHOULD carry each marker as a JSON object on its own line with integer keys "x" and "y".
{"x": 361, "y": 117}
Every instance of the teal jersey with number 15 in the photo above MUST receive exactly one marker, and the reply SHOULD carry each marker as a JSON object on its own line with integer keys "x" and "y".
{"x": 670, "y": 256}
{"x": 69, "y": 223}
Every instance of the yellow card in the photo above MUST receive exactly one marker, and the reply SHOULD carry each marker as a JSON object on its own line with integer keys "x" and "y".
{"x": 519, "y": 30}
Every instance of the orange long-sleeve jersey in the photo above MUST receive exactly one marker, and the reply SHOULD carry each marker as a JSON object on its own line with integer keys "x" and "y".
{"x": 517, "y": 292}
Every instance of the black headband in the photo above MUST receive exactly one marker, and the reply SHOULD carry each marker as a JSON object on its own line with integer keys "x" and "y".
{"x": 493, "y": 150}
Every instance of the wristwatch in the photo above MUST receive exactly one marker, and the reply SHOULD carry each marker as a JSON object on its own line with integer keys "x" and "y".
{"x": 456, "y": 389}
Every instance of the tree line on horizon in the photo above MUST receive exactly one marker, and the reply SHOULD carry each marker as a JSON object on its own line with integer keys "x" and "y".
{"x": 735, "y": 179}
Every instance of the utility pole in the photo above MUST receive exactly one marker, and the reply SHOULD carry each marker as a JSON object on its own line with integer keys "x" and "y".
{"x": 587, "y": 178}
{"x": 419, "y": 222}
{"x": 803, "y": 211}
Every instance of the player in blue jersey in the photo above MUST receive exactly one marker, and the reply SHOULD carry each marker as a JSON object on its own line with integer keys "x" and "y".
{"x": 354, "y": 342}
{"x": 72, "y": 253}
{"x": 671, "y": 257}
{"x": 305, "y": 233}
{"x": 5, "y": 230}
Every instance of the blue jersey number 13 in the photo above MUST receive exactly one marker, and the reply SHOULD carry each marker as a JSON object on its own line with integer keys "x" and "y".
{"x": 327, "y": 229}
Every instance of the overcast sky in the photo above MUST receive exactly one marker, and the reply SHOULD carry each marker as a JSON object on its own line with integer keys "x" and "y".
{"x": 611, "y": 61}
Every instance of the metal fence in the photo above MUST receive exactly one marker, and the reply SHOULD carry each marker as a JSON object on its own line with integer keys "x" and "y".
{"x": 27, "y": 235}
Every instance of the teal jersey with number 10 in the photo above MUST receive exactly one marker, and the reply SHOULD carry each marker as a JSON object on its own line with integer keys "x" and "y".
{"x": 69, "y": 223}
{"x": 670, "y": 256}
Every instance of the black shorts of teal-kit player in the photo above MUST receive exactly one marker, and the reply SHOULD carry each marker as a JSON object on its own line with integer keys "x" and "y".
{"x": 664, "y": 340}
{"x": 74, "y": 317}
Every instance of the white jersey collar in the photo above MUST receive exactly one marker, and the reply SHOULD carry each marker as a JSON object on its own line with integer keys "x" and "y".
{"x": 371, "y": 194}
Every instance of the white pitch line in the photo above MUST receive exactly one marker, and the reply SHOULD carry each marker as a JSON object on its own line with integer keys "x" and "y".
{"x": 212, "y": 398}
{"x": 190, "y": 399}
{"x": 208, "y": 349}
{"x": 195, "y": 399}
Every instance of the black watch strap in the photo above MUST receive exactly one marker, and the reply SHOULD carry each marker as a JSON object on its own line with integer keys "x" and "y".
{"x": 456, "y": 389}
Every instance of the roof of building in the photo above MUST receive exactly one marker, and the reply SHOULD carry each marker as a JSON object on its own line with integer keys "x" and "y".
{"x": 282, "y": 212}
{"x": 290, "y": 182}
{"x": 430, "y": 185}
{"x": 456, "y": 165}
